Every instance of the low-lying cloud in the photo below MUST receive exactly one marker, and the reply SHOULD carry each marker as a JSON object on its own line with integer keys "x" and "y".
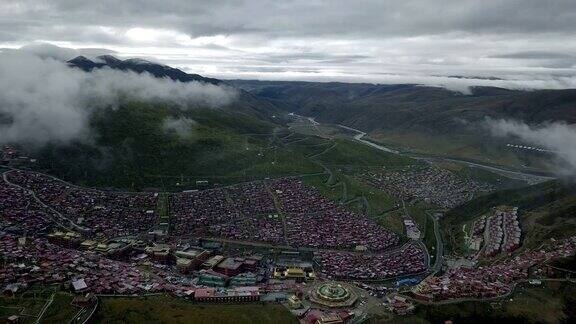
{"x": 45, "y": 101}
{"x": 182, "y": 127}
{"x": 557, "y": 137}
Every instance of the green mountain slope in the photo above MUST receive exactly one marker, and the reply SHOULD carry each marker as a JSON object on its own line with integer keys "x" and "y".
{"x": 424, "y": 119}
{"x": 546, "y": 210}
{"x": 131, "y": 150}
{"x": 404, "y": 107}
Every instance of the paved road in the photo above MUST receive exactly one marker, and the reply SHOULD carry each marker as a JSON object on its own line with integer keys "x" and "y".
{"x": 511, "y": 174}
{"x": 48, "y": 303}
{"x": 530, "y": 178}
{"x": 518, "y": 175}
{"x": 359, "y": 138}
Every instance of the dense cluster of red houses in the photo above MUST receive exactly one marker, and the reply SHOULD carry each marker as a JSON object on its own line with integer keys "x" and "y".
{"x": 511, "y": 227}
{"x": 295, "y": 197}
{"x": 349, "y": 265}
{"x": 247, "y": 212}
{"x": 283, "y": 211}
{"x": 35, "y": 261}
{"x": 433, "y": 184}
{"x": 252, "y": 198}
{"x": 314, "y": 221}
{"x": 243, "y": 212}
{"x": 493, "y": 280}
{"x": 494, "y": 235}
{"x": 21, "y": 214}
{"x": 339, "y": 229}
{"x": 109, "y": 213}
{"x": 500, "y": 231}
{"x": 228, "y": 213}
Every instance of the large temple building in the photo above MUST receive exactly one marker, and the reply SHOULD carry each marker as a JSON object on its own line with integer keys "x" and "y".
{"x": 333, "y": 295}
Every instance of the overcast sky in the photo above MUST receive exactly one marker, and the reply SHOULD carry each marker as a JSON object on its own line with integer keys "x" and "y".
{"x": 531, "y": 42}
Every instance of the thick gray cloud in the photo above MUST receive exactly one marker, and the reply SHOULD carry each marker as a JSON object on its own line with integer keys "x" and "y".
{"x": 305, "y": 17}
{"x": 44, "y": 50}
{"x": 535, "y": 55}
{"x": 43, "y": 100}
{"x": 344, "y": 40}
{"x": 542, "y": 58}
{"x": 558, "y": 138}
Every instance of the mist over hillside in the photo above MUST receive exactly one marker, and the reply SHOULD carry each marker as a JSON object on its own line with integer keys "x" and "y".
{"x": 437, "y": 120}
{"x": 372, "y": 107}
{"x": 261, "y": 161}
{"x": 107, "y": 121}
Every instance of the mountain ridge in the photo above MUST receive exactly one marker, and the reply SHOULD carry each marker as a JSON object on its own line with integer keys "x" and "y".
{"x": 425, "y": 119}
{"x": 135, "y": 65}
{"x": 245, "y": 103}
{"x": 337, "y": 102}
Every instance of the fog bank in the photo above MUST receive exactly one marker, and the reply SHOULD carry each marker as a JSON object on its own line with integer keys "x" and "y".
{"x": 43, "y": 100}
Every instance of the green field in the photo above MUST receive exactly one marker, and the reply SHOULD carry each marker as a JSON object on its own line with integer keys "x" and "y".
{"x": 392, "y": 220}
{"x": 553, "y": 220}
{"x": 344, "y": 158}
{"x": 29, "y": 307}
{"x": 161, "y": 309}
{"x": 331, "y": 190}
{"x": 351, "y": 154}
{"x": 18, "y": 306}
{"x": 463, "y": 146}
{"x": 358, "y": 196}
{"x": 132, "y": 151}
{"x": 60, "y": 310}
